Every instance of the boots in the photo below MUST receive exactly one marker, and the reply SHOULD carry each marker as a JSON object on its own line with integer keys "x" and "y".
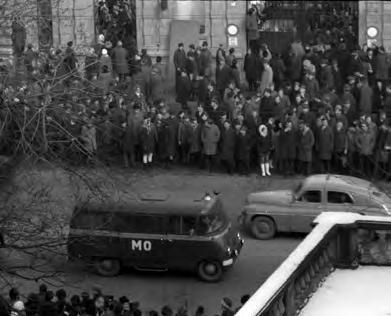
{"x": 263, "y": 168}
{"x": 267, "y": 169}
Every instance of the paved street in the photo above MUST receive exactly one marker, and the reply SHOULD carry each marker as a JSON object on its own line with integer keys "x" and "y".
{"x": 257, "y": 260}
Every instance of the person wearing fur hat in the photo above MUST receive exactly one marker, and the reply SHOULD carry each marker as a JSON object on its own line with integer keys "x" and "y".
{"x": 264, "y": 148}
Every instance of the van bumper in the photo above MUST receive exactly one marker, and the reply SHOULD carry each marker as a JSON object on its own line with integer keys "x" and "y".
{"x": 228, "y": 262}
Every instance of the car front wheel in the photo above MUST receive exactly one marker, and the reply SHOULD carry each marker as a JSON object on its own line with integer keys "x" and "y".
{"x": 107, "y": 267}
{"x": 263, "y": 227}
{"x": 210, "y": 271}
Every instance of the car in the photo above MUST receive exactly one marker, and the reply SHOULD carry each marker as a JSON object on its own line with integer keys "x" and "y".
{"x": 269, "y": 212}
{"x": 156, "y": 232}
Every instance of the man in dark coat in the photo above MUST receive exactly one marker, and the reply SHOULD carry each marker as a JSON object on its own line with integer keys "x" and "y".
{"x": 267, "y": 106}
{"x": 171, "y": 133}
{"x": 120, "y": 61}
{"x": 243, "y": 147}
{"x": 205, "y": 60}
{"x": 180, "y": 60}
{"x": 287, "y": 143}
{"x": 223, "y": 77}
{"x": 227, "y": 147}
{"x": 325, "y": 145}
{"x": 18, "y": 36}
{"x": 250, "y": 67}
{"x": 70, "y": 58}
{"x": 305, "y": 145}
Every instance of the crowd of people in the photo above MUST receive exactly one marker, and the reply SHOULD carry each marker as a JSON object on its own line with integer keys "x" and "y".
{"x": 322, "y": 106}
{"x": 48, "y": 303}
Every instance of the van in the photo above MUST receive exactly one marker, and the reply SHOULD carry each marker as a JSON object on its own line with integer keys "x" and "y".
{"x": 155, "y": 232}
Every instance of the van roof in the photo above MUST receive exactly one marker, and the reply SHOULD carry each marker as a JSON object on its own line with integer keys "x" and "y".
{"x": 154, "y": 204}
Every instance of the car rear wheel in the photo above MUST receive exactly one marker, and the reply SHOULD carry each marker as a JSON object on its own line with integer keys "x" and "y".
{"x": 263, "y": 227}
{"x": 108, "y": 267}
{"x": 210, "y": 271}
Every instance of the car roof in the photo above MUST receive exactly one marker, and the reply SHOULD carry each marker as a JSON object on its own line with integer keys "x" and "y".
{"x": 338, "y": 182}
{"x": 161, "y": 203}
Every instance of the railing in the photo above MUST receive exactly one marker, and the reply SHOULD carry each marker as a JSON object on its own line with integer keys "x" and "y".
{"x": 354, "y": 240}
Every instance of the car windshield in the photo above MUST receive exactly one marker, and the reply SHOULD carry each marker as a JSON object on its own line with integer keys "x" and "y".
{"x": 215, "y": 220}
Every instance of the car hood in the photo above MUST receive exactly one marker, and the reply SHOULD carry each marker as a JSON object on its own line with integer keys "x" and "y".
{"x": 278, "y": 197}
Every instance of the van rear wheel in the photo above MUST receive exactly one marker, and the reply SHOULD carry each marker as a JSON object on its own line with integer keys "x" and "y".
{"x": 263, "y": 227}
{"x": 107, "y": 267}
{"x": 210, "y": 271}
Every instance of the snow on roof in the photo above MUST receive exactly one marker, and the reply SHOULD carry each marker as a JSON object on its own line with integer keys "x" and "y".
{"x": 361, "y": 292}
{"x": 276, "y": 280}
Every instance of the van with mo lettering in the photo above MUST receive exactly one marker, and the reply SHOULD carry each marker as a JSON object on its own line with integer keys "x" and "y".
{"x": 155, "y": 232}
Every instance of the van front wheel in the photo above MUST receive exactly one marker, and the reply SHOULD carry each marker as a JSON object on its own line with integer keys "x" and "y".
{"x": 107, "y": 267}
{"x": 210, "y": 271}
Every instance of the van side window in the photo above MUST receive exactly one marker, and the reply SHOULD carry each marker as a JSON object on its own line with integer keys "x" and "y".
{"x": 93, "y": 220}
{"x": 338, "y": 197}
{"x": 188, "y": 225}
{"x": 137, "y": 223}
{"x": 174, "y": 225}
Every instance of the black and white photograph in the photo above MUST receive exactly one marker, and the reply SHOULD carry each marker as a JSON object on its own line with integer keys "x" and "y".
{"x": 195, "y": 158}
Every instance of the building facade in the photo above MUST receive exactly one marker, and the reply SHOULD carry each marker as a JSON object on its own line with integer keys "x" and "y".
{"x": 53, "y": 23}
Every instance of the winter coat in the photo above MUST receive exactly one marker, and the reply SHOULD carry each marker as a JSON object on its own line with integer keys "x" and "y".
{"x": 243, "y": 147}
{"x": 156, "y": 81}
{"x": 184, "y": 132}
{"x": 264, "y": 143}
{"x": 105, "y": 61}
{"x": 266, "y": 108}
{"x": 88, "y": 135}
{"x": 365, "y": 142}
{"x": 134, "y": 123}
{"x": 297, "y": 54}
{"x": 120, "y": 60}
{"x": 251, "y": 65}
{"x": 171, "y": 129}
{"x": 340, "y": 141}
{"x": 204, "y": 62}
{"x": 266, "y": 78}
{"x": 223, "y": 77}
{"x": 305, "y": 146}
{"x": 148, "y": 139}
{"x": 326, "y": 78}
{"x": 287, "y": 144}
{"x": 180, "y": 60}
{"x": 382, "y": 66}
{"x": 227, "y": 144}
{"x": 366, "y": 99}
{"x": 210, "y": 136}
{"x": 195, "y": 139}
{"x": 325, "y": 143}
{"x": 312, "y": 87}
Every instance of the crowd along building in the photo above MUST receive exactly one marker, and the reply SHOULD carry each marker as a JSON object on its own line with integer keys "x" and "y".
{"x": 158, "y": 25}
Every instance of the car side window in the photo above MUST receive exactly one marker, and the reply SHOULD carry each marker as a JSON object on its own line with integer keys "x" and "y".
{"x": 338, "y": 198}
{"x": 311, "y": 196}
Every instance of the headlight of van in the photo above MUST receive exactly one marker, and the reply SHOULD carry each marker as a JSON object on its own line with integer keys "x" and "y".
{"x": 229, "y": 251}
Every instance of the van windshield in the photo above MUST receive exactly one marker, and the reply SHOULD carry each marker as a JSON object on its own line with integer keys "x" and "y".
{"x": 214, "y": 221}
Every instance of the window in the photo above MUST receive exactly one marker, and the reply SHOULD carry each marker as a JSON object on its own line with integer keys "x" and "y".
{"x": 311, "y": 197}
{"x": 139, "y": 224}
{"x": 174, "y": 225}
{"x": 188, "y": 225}
{"x": 338, "y": 197}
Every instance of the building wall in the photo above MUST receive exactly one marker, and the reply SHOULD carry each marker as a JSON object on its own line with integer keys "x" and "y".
{"x": 153, "y": 24}
{"x": 377, "y": 14}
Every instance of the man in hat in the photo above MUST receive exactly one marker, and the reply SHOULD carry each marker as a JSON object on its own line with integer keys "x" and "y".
{"x": 325, "y": 145}
{"x": 306, "y": 143}
{"x": 383, "y": 64}
{"x": 70, "y": 58}
{"x": 326, "y": 79}
{"x": 267, "y": 74}
{"x": 120, "y": 61}
{"x": 180, "y": 64}
{"x": 365, "y": 97}
{"x": 210, "y": 136}
{"x": 205, "y": 60}
{"x": 227, "y": 146}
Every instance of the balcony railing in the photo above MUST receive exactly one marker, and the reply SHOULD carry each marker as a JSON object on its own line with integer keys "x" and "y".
{"x": 339, "y": 240}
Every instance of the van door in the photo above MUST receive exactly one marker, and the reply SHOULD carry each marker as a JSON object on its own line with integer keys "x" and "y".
{"x": 141, "y": 240}
{"x": 182, "y": 247}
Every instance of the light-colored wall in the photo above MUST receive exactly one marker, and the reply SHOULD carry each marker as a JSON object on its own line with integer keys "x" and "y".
{"x": 153, "y": 24}
{"x": 378, "y": 14}
{"x": 73, "y": 20}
